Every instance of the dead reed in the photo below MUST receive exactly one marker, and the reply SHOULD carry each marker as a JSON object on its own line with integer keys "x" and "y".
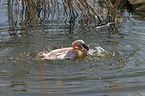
{"x": 36, "y": 12}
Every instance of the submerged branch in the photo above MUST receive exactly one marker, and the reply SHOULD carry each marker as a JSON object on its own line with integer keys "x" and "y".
{"x": 108, "y": 24}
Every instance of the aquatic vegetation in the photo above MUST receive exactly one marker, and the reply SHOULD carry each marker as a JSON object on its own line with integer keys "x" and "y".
{"x": 36, "y": 12}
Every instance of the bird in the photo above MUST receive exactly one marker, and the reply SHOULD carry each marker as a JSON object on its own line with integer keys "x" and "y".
{"x": 78, "y": 50}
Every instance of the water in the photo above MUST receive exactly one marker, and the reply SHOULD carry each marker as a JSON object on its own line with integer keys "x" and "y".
{"x": 118, "y": 71}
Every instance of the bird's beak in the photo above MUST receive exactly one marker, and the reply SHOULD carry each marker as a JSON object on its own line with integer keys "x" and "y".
{"x": 86, "y": 47}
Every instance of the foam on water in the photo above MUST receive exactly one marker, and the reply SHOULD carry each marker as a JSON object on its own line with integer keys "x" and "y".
{"x": 98, "y": 53}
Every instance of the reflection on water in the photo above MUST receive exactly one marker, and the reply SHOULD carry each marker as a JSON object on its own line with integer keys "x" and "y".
{"x": 114, "y": 65}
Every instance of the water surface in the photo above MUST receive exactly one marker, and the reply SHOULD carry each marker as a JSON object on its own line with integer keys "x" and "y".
{"x": 119, "y": 71}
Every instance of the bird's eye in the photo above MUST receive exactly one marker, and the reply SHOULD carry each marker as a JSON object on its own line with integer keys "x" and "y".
{"x": 85, "y": 46}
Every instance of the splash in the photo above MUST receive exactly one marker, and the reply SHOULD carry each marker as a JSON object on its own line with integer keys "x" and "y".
{"x": 99, "y": 53}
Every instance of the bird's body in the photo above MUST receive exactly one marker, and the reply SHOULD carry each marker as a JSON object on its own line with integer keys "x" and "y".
{"x": 78, "y": 50}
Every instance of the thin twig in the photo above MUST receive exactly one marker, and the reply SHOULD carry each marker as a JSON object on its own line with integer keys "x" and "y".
{"x": 97, "y": 6}
{"x": 96, "y": 13}
{"x": 106, "y": 24}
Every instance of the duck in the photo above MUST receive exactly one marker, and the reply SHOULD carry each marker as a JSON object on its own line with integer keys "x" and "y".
{"x": 78, "y": 50}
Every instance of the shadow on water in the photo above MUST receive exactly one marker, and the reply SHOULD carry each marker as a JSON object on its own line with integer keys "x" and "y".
{"x": 113, "y": 66}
